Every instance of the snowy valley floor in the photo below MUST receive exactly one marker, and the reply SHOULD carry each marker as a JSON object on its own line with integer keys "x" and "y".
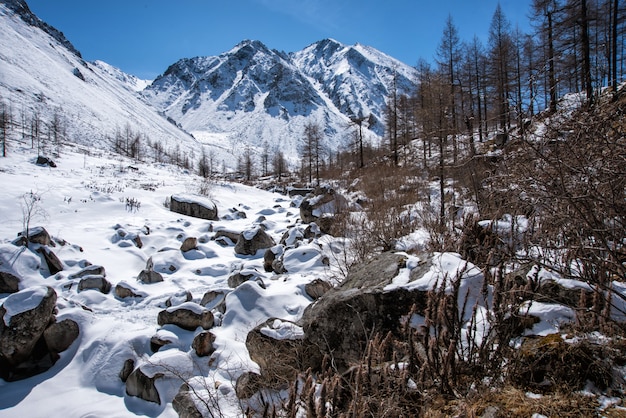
{"x": 84, "y": 201}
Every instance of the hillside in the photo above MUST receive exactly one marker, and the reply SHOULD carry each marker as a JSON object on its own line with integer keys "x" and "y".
{"x": 43, "y": 78}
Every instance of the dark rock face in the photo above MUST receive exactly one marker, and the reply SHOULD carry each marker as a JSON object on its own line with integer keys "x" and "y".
{"x": 19, "y": 337}
{"x": 30, "y": 343}
{"x": 196, "y": 207}
{"x": 8, "y": 282}
{"x": 127, "y": 369}
{"x": 94, "y": 282}
{"x": 183, "y": 403}
{"x": 123, "y": 290}
{"x": 52, "y": 261}
{"x": 60, "y": 335}
{"x": 203, "y": 344}
{"x": 142, "y": 386}
{"x": 38, "y": 235}
{"x": 376, "y": 273}
{"x": 187, "y": 317}
{"x": 251, "y": 241}
{"x": 225, "y": 237}
{"x": 150, "y": 276}
{"x": 156, "y": 342}
{"x": 190, "y": 243}
{"x": 92, "y": 270}
{"x": 340, "y": 322}
{"x": 236, "y": 279}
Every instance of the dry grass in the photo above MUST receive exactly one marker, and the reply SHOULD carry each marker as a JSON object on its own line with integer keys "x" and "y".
{"x": 512, "y": 402}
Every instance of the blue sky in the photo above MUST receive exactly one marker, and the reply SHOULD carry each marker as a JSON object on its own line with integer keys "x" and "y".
{"x": 143, "y": 37}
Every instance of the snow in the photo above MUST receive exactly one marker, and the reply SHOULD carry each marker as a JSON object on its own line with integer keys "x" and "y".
{"x": 23, "y": 301}
{"x": 93, "y": 223}
{"x": 282, "y": 330}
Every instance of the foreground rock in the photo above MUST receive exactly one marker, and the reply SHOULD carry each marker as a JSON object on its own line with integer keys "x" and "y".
{"x": 341, "y": 321}
{"x": 30, "y": 339}
{"x": 195, "y": 206}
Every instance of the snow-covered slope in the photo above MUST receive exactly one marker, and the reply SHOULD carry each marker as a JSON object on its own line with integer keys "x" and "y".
{"x": 252, "y": 95}
{"x": 42, "y": 74}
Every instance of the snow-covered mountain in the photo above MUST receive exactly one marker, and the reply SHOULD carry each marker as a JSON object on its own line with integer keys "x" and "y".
{"x": 252, "y": 95}
{"x": 43, "y": 76}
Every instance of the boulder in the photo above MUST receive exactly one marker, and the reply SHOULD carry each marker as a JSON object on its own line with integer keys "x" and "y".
{"x": 203, "y": 344}
{"x": 225, "y": 237}
{"x": 8, "y": 282}
{"x": 52, "y": 261}
{"x": 149, "y": 276}
{"x": 183, "y": 403}
{"x": 94, "y": 282}
{"x": 142, "y": 386}
{"x": 188, "y": 315}
{"x": 276, "y": 346}
{"x": 190, "y": 243}
{"x": 178, "y": 298}
{"x": 157, "y": 341}
{"x": 24, "y": 316}
{"x": 60, "y": 335}
{"x": 214, "y": 300}
{"x": 238, "y": 278}
{"x": 253, "y": 240}
{"x": 195, "y": 206}
{"x": 317, "y": 288}
{"x": 321, "y": 205}
{"x": 124, "y": 290}
{"x": 341, "y": 321}
{"x": 45, "y": 161}
{"x": 268, "y": 258}
{"x": 38, "y": 235}
{"x": 92, "y": 270}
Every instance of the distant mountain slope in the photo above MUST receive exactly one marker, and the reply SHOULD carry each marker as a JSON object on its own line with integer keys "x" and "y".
{"x": 252, "y": 95}
{"x": 42, "y": 74}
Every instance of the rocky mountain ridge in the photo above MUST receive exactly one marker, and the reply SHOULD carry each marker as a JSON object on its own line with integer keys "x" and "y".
{"x": 255, "y": 95}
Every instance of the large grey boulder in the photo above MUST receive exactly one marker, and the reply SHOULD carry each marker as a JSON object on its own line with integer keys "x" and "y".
{"x": 253, "y": 240}
{"x": 188, "y": 315}
{"x": 196, "y": 206}
{"x": 341, "y": 321}
{"x": 23, "y": 318}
